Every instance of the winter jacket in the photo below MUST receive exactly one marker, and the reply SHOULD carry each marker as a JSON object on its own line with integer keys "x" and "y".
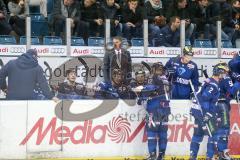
{"x": 24, "y": 75}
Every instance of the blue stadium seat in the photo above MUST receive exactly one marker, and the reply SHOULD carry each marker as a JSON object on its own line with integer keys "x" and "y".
{"x": 52, "y": 40}
{"x": 34, "y": 39}
{"x": 77, "y": 41}
{"x": 95, "y": 41}
{"x": 187, "y": 42}
{"x": 37, "y": 17}
{"x": 39, "y": 25}
{"x": 203, "y": 43}
{"x": 156, "y": 42}
{"x": 7, "y": 39}
{"x": 137, "y": 41}
{"x": 226, "y": 43}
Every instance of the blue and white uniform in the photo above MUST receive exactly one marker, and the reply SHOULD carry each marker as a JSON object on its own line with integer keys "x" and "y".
{"x": 182, "y": 73}
{"x": 207, "y": 95}
{"x": 158, "y": 109}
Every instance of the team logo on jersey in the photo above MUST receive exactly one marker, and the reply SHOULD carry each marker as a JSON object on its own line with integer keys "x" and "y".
{"x": 181, "y": 71}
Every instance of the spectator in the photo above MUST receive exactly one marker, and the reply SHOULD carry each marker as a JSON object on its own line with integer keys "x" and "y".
{"x": 156, "y": 20}
{"x": 70, "y": 88}
{"x": 17, "y": 16}
{"x": 4, "y": 25}
{"x": 92, "y": 18}
{"x": 170, "y": 34}
{"x": 215, "y": 14}
{"x": 184, "y": 69}
{"x": 110, "y": 10}
{"x": 236, "y": 20}
{"x": 226, "y": 15}
{"x": 117, "y": 58}
{"x": 180, "y": 8}
{"x": 133, "y": 20}
{"x": 200, "y": 13}
{"x": 65, "y": 9}
{"x": 24, "y": 75}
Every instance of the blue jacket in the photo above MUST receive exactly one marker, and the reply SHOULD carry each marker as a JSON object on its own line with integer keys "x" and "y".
{"x": 234, "y": 65}
{"x": 24, "y": 75}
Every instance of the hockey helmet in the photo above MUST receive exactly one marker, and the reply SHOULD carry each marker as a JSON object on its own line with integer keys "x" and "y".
{"x": 158, "y": 68}
{"x": 139, "y": 72}
{"x": 158, "y": 65}
{"x": 219, "y": 69}
{"x": 187, "y": 50}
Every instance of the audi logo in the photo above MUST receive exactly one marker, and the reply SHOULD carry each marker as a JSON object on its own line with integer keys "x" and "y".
{"x": 209, "y": 52}
{"x": 98, "y": 51}
{"x": 57, "y": 50}
{"x": 136, "y": 51}
{"x": 17, "y": 50}
{"x": 172, "y": 52}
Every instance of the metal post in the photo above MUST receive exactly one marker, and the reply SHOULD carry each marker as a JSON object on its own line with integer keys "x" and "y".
{"x": 107, "y": 31}
{"x": 28, "y": 33}
{"x": 182, "y": 35}
{"x": 68, "y": 36}
{"x": 219, "y": 38}
{"x": 145, "y": 36}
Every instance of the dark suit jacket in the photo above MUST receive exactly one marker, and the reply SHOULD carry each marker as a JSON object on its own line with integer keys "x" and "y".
{"x": 110, "y": 63}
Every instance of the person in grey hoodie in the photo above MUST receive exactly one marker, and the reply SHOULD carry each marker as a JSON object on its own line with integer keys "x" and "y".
{"x": 24, "y": 75}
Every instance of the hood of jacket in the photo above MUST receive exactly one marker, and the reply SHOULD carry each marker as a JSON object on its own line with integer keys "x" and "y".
{"x": 27, "y": 60}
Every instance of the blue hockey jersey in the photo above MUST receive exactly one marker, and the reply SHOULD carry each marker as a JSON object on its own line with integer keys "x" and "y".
{"x": 208, "y": 95}
{"x": 182, "y": 73}
{"x": 106, "y": 90}
{"x": 228, "y": 89}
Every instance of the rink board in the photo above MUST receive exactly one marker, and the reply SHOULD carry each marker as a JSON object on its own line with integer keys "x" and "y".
{"x": 40, "y": 130}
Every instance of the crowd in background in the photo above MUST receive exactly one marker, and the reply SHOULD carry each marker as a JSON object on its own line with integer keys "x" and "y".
{"x": 88, "y": 18}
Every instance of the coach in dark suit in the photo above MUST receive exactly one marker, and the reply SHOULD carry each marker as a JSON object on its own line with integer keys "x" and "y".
{"x": 117, "y": 58}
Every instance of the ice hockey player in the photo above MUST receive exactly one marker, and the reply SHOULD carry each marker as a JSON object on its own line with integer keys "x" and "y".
{"x": 227, "y": 92}
{"x": 115, "y": 89}
{"x": 234, "y": 66}
{"x": 70, "y": 89}
{"x": 158, "y": 109}
{"x": 140, "y": 79}
{"x": 205, "y": 113}
{"x": 184, "y": 69}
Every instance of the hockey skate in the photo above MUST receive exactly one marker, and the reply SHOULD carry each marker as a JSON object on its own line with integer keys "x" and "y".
{"x": 160, "y": 156}
{"x": 152, "y": 156}
{"x": 225, "y": 155}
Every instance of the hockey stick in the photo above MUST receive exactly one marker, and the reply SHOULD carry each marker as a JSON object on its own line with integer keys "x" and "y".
{"x": 205, "y": 73}
{"x": 200, "y": 109}
{"x": 147, "y": 66}
{"x": 50, "y": 71}
{"x": 80, "y": 59}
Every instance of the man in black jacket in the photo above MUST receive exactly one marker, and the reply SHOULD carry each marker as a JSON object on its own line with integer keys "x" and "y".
{"x": 24, "y": 75}
{"x": 133, "y": 20}
{"x": 65, "y": 9}
{"x": 4, "y": 25}
{"x": 117, "y": 58}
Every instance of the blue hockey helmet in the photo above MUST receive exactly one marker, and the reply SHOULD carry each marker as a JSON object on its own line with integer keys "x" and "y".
{"x": 219, "y": 69}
